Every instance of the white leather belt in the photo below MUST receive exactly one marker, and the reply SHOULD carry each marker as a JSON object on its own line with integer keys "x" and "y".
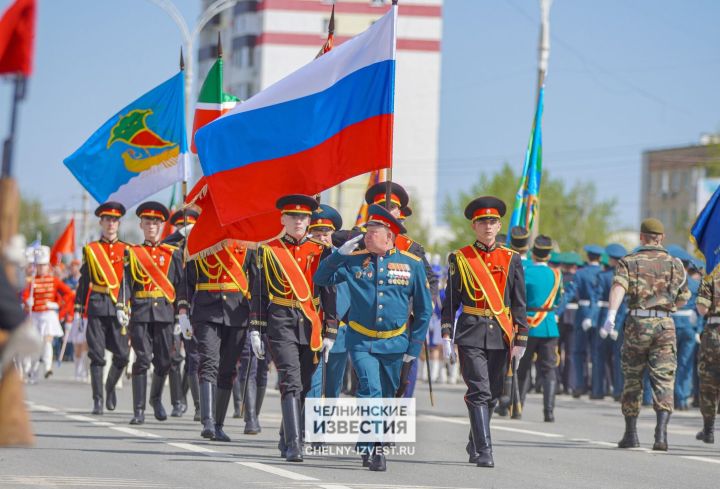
{"x": 688, "y": 313}
{"x": 584, "y": 303}
{"x": 649, "y": 313}
{"x": 713, "y": 320}
{"x": 603, "y": 304}
{"x": 571, "y": 306}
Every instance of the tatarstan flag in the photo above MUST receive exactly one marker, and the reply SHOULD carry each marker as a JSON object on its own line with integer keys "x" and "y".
{"x": 212, "y": 102}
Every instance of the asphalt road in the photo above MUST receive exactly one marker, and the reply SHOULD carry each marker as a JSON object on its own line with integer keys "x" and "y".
{"x": 76, "y": 449}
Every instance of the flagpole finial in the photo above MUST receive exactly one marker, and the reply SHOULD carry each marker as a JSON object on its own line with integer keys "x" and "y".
{"x": 331, "y": 24}
{"x": 219, "y": 46}
{"x": 182, "y": 60}
{"x": 394, "y": 2}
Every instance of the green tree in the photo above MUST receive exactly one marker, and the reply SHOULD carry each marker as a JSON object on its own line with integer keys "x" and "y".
{"x": 33, "y": 220}
{"x": 572, "y": 216}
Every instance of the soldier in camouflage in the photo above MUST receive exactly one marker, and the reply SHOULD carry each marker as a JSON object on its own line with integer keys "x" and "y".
{"x": 708, "y": 305}
{"x": 656, "y": 285}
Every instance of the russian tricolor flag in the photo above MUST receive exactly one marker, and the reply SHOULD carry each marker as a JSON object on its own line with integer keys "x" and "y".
{"x": 329, "y": 121}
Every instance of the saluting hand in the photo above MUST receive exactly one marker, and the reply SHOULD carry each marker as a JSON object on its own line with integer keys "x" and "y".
{"x": 350, "y": 245}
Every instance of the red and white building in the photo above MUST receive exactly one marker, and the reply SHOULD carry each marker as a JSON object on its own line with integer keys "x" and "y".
{"x": 263, "y": 41}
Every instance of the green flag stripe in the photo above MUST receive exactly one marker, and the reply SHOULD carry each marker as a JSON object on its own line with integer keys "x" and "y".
{"x": 211, "y": 91}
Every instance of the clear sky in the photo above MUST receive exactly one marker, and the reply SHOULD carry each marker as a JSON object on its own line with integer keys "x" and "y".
{"x": 624, "y": 76}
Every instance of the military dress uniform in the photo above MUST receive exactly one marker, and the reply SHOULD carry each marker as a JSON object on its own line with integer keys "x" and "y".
{"x": 219, "y": 288}
{"x": 153, "y": 275}
{"x": 327, "y": 218}
{"x": 654, "y": 283}
{"x": 102, "y": 276}
{"x": 543, "y": 287}
{"x": 377, "y": 194}
{"x": 183, "y": 220}
{"x": 287, "y": 308}
{"x": 585, "y": 289}
{"x": 488, "y": 284}
{"x": 709, "y": 355}
{"x": 381, "y": 289}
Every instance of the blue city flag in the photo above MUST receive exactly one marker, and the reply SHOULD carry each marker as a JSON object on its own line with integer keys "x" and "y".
{"x": 526, "y": 199}
{"x": 138, "y": 151}
{"x": 705, "y": 233}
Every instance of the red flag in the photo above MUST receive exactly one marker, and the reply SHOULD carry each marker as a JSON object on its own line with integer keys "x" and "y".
{"x": 65, "y": 244}
{"x": 17, "y": 33}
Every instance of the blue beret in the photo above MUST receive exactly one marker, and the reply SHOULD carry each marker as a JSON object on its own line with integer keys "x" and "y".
{"x": 615, "y": 250}
{"x": 594, "y": 249}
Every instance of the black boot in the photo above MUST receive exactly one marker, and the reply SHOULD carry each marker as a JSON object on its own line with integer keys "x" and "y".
{"x": 707, "y": 434}
{"x": 377, "y": 461}
{"x": 549, "y": 390}
{"x": 97, "y": 389}
{"x": 178, "y": 408}
{"x": 194, "y": 386}
{"x": 661, "y": 431}
{"x": 252, "y": 426}
{"x": 259, "y": 399}
{"x": 237, "y": 397}
{"x": 206, "y": 410}
{"x": 156, "y": 388}
{"x": 113, "y": 376}
{"x": 480, "y": 430}
{"x": 524, "y": 386}
{"x": 139, "y": 386}
{"x": 221, "y": 405}
{"x": 630, "y": 438}
{"x": 291, "y": 429}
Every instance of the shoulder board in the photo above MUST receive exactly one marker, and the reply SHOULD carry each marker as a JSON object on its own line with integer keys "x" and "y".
{"x": 410, "y": 255}
{"x": 168, "y": 247}
{"x": 360, "y": 252}
{"x": 505, "y": 248}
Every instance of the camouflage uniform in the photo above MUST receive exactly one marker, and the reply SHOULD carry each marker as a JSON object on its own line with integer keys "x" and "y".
{"x": 709, "y": 356}
{"x": 654, "y": 281}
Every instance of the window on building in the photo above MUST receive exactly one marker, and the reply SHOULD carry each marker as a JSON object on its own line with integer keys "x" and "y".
{"x": 237, "y": 57}
{"x": 665, "y": 182}
{"x": 250, "y": 56}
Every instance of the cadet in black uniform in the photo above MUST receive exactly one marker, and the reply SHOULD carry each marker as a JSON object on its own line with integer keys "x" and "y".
{"x": 101, "y": 276}
{"x": 288, "y": 308}
{"x": 219, "y": 291}
{"x": 153, "y": 274}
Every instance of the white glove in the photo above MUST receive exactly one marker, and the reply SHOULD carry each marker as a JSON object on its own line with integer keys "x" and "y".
{"x": 185, "y": 326}
{"x": 586, "y": 324}
{"x": 603, "y": 333}
{"x": 448, "y": 349}
{"x": 408, "y": 358}
{"x": 609, "y": 324}
{"x": 326, "y": 347}
{"x": 350, "y": 245}
{"x": 176, "y": 329}
{"x": 83, "y": 325}
{"x": 122, "y": 317}
{"x": 257, "y": 345}
{"x": 614, "y": 334}
{"x": 518, "y": 352}
{"x": 697, "y": 338}
{"x": 30, "y": 302}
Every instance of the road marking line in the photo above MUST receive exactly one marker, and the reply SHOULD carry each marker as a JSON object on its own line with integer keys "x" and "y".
{"x": 333, "y": 486}
{"x": 134, "y": 432}
{"x": 527, "y": 432}
{"x": 432, "y": 417}
{"x": 702, "y": 459}
{"x": 45, "y": 409}
{"x": 192, "y": 448}
{"x": 277, "y": 471}
{"x": 78, "y": 417}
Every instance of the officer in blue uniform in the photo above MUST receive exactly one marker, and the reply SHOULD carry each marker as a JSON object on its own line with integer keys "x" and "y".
{"x": 605, "y": 350}
{"x": 383, "y": 283}
{"x": 543, "y": 287}
{"x": 584, "y": 288}
{"x": 324, "y": 222}
{"x": 686, "y": 327}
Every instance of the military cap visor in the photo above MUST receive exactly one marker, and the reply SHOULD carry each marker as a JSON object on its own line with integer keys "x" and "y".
{"x": 297, "y": 204}
{"x": 153, "y": 210}
{"x": 485, "y": 207}
{"x": 652, "y": 226}
{"x": 112, "y": 209}
{"x": 184, "y": 219}
{"x": 325, "y": 216}
{"x": 377, "y": 193}
{"x": 379, "y": 215}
